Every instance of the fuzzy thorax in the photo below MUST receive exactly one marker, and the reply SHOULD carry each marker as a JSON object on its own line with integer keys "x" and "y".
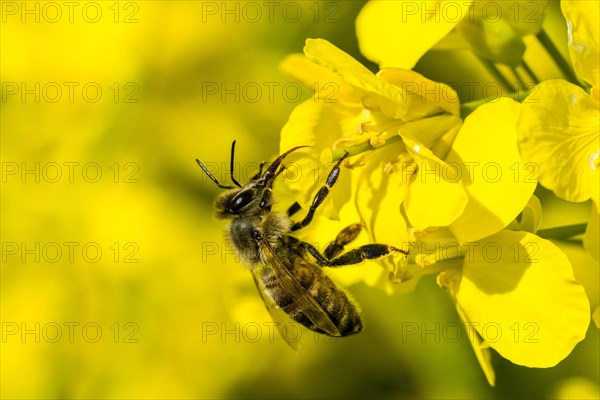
{"x": 272, "y": 227}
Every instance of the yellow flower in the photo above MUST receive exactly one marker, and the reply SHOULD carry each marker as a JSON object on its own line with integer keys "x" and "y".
{"x": 387, "y": 30}
{"x": 559, "y": 128}
{"x": 400, "y": 109}
{"x": 511, "y": 283}
{"x": 584, "y": 37}
{"x": 492, "y": 29}
{"x": 448, "y": 191}
{"x": 517, "y": 291}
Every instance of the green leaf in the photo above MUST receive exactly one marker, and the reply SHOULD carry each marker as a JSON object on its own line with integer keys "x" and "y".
{"x": 590, "y": 239}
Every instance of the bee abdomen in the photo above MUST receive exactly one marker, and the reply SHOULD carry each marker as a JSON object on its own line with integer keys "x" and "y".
{"x": 341, "y": 309}
{"x": 334, "y": 301}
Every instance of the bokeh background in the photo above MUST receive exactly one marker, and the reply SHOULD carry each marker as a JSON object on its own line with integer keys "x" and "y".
{"x": 135, "y": 91}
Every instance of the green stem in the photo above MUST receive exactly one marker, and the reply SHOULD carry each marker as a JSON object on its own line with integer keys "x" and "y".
{"x": 557, "y": 57}
{"x": 519, "y": 78}
{"x": 493, "y": 70}
{"x": 367, "y": 146}
{"x": 530, "y": 72}
{"x": 468, "y": 108}
{"x": 562, "y": 232}
{"x": 362, "y": 147}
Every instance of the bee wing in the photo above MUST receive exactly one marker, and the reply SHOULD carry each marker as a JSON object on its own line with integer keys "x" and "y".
{"x": 304, "y": 301}
{"x": 278, "y": 316}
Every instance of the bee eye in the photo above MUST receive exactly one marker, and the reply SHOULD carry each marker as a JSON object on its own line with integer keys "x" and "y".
{"x": 240, "y": 201}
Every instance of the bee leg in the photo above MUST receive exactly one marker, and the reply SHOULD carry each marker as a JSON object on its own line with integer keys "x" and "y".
{"x": 265, "y": 202}
{"x": 294, "y": 208}
{"x": 354, "y": 256}
{"x": 346, "y": 236}
{"x": 366, "y": 252}
{"x": 321, "y": 260}
{"x": 260, "y": 168}
{"x": 321, "y": 195}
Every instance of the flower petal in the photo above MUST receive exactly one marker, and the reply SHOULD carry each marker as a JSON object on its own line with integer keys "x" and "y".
{"x": 486, "y": 155}
{"x": 433, "y": 180}
{"x": 519, "y": 292}
{"x": 423, "y": 96}
{"x": 317, "y": 125}
{"x": 378, "y": 200}
{"x": 379, "y": 196}
{"x": 558, "y": 131}
{"x": 390, "y": 98}
{"x": 329, "y": 86}
{"x": 387, "y": 30}
{"x": 428, "y": 131}
{"x": 584, "y": 37}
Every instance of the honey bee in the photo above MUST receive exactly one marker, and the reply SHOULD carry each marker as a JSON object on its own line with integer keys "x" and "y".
{"x": 288, "y": 272}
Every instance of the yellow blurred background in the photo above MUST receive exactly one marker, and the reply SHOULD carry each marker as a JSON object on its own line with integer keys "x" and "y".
{"x": 115, "y": 280}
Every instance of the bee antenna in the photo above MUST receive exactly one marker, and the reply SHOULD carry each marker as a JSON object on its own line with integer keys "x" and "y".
{"x": 231, "y": 164}
{"x": 207, "y": 172}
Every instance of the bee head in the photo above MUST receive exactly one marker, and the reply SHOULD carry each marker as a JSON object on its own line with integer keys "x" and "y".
{"x": 237, "y": 201}
{"x": 252, "y": 198}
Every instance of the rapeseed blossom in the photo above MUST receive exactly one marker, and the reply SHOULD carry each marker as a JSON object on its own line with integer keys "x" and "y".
{"x": 492, "y": 29}
{"x": 396, "y": 108}
{"x": 448, "y": 191}
{"x": 559, "y": 128}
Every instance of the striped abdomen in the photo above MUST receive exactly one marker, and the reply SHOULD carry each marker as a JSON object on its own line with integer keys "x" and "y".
{"x": 334, "y": 301}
